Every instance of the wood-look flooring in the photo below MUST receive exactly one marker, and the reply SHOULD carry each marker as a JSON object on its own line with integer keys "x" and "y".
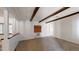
{"x": 46, "y": 44}
{"x": 39, "y": 44}
{"x": 0, "y": 45}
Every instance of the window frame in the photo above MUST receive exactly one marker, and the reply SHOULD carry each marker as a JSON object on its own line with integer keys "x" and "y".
{"x": 3, "y": 28}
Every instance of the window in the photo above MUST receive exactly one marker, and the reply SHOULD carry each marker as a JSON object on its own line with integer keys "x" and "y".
{"x": 1, "y": 28}
{"x": 10, "y": 28}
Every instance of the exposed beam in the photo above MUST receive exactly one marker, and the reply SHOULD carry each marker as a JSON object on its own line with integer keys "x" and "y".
{"x": 60, "y": 10}
{"x": 34, "y": 13}
{"x": 63, "y": 17}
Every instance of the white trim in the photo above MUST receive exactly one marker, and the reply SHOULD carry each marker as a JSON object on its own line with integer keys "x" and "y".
{"x": 5, "y": 42}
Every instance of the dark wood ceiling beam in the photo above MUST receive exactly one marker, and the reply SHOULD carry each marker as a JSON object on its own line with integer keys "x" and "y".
{"x": 63, "y": 17}
{"x": 60, "y": 10}
{"x": 34, "y": 13}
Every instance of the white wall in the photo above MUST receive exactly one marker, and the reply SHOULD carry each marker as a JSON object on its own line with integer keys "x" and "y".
{"x": 16, "y": 26}
{"x": 67, "y": 29}
{"x": 10, "y": 44}
{"x": 57, "y": 29}
{"x": 26, "y": 28}
{"x": 47, "y": 29}
{"x": 13, "y": 42}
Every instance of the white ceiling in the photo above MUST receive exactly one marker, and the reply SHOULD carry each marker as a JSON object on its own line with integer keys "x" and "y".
{"x": 22, "y": 13}
{"x": 64, "y": 13}
{"x": 44, "y": 12}
{"x": 25, "y": 13}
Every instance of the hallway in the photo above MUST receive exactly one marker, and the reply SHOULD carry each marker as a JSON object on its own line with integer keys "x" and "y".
{"x": 57, "y": 27}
